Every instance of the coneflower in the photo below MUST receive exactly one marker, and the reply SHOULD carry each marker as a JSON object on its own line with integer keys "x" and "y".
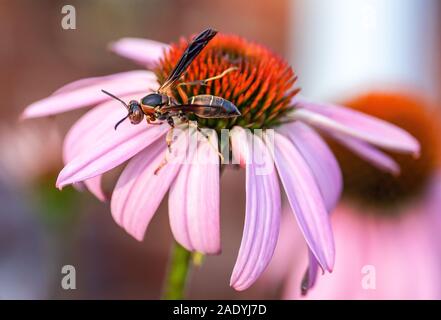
{"x": 262, "y": 87}
{"x": 387, "y": 225}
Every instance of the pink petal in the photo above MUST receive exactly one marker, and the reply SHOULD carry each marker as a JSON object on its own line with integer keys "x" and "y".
{"x": 262, "y": 218}
{"x": 306, "y": 201}
{"x": 115, "y": 148}
{"x": 78, "y": 96}
{"x": 310, "y": 277}
{"x": 290, "y": 255}
{"x": 332, "y": 118}
{"x": 194, "y": 200}
{"x": 94, "y": 187}
{"x": 320, "y": 160}
{"x": 369, "y": 153}
{"x": 143, "y": 51}
{"x": 399, "y": 252}
{"x": 237, "y": 150}
{"x": 139, "y": 191}
{"x": 94, "y": 125}
{"x": 327, "y": 173}
{"x": 86, "y": 82}
{"x": 90, "y": 129}
{"x": 348, "y": 233}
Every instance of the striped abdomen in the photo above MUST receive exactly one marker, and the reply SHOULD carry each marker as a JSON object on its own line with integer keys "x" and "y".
{"x": 208, "y": 106}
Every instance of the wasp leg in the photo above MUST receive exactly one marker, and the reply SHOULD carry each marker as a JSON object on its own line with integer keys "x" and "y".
{"x": 152, "y": 122}
{"x": 221, "y": 156}
{"x": 182, "y": 116}
{"x": 161, "y": 165}
{"x": 169, "y": 137}
{"x": 204, "y": 82}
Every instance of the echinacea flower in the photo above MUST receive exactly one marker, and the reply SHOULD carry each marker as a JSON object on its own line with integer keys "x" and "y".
{"x": 387, "y": 226}
{"x": 262, "y": 89}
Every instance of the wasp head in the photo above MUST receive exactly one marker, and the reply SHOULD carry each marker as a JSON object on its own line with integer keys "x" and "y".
{"x": 135, "y": 112}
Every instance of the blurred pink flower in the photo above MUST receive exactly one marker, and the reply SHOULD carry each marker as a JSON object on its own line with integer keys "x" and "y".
{"x": 307, "y": 168}
{"x": 386, "y": 228}
{"x": 22, "y": 161}
{"x": 377, "y": 257}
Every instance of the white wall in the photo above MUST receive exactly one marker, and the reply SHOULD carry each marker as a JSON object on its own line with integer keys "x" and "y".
{"x": 341, "y": 46}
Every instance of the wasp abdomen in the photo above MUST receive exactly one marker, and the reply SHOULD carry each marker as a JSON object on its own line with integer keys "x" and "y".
{"x": 213, "y": 107}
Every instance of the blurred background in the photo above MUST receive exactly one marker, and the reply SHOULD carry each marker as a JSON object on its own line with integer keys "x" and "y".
{"x": 337, "y": 48}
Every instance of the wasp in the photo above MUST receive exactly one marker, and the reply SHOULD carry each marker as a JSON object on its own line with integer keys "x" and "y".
{"x": 161, "y": 104}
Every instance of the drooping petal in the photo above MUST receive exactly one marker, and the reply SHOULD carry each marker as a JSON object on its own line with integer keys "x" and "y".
{"x": 114, "y": 149}
{"x": 194, "y": 200}
{"x": 95, "y": 188}
{"x": 347, "y": 237}
{"x": 306, "y": 201}
{"x": 143, "y": 51}
{"x": 78, "y": 96}
{"x": 263, "y": 206}
{"x": 319, "y": 158}
{"x": 88, "y": 131}
{"x": 327, "y": 173}
{"x": 139, "y": 190}
{"x": 369, "y": 153}
{"x": 310, "y": 276}
{"x": 332, "y": 118}
{"x": 290, "y": 255}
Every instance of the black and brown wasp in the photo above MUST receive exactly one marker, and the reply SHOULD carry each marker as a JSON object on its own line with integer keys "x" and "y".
{"x": 161, "y": 105}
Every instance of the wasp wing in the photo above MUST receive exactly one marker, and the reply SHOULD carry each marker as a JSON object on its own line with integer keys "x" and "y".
{"x": 203, "y": 111}
{"x": 192, "y": 51}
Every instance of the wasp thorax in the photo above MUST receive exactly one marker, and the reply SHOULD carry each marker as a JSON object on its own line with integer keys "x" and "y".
{"x": 135, "y": 112}
{"x": 261, "y": 85}
{"x": 152, "y": 100}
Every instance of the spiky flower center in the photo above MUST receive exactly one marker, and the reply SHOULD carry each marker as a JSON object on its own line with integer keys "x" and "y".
{"x": 261, "y": 87}
{"x": 374, "y": 187}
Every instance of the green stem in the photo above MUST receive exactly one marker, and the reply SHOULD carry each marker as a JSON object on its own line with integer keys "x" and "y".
{"x": 179, "y": 267}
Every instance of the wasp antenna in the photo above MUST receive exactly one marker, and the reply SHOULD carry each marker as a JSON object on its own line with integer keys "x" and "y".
{"x": 121, "y": 121}
{"x": 116, "y": 98}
